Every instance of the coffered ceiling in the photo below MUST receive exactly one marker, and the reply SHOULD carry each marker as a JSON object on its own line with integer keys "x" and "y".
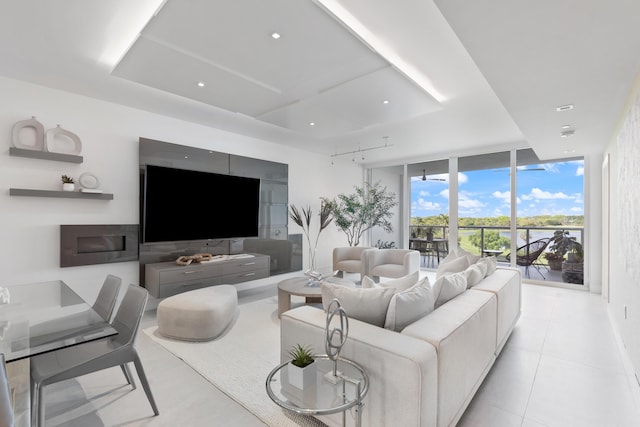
{"x": 429, "y": 78}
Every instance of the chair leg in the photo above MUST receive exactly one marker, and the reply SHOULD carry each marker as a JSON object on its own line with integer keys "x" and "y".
{"x": 37, "y": 404}
{"x": 145, "y": 383}
{"x": 127, "y": 375}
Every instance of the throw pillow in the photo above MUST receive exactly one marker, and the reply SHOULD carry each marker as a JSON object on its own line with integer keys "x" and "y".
{"x": 475, "y": 273}
{"x": 448, "y": 287}
{"x": 401, "y": 284}
{"x": 365, "y": 304}
{"x": 455, "y": 265}
{"x": 409, "y": 305}
{"x": 491, "y": 262}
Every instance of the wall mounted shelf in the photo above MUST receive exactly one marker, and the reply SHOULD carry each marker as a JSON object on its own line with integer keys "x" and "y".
{"x": 45, "y": 155}
{"x": 59, "y": 194}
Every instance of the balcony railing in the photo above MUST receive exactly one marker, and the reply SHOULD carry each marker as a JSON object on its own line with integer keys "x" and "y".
{"x": 487, "y": 244}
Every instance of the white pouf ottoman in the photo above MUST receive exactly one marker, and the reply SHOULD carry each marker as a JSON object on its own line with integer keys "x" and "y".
{"x": 198, "y": 315}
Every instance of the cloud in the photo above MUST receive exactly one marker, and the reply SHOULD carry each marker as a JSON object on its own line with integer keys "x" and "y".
{"x": 576, "y": 209}
{"x": 505, "y": 196}
{"x": 580, "y": 171}
{"x": 538, "y": 194}
{"x": 426, "y": 205}
{"x": 466, "y": 202}
{"x": 423, "y": 193}
{"x": 502, "y": 195}
{"x": 445, "y": 193}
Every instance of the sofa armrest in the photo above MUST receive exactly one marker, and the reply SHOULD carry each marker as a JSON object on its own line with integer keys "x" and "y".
{"x": 402, "y": 370}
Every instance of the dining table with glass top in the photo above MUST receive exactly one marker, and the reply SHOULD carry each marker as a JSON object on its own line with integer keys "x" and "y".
{"x": 37, "y": 318}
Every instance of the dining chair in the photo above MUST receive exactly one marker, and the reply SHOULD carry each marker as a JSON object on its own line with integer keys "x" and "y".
{"x": 6, "y": 406}
{"x": 106, "y": 300}
{"x": 103, "y": 305}
{"x": 71, "y": 362}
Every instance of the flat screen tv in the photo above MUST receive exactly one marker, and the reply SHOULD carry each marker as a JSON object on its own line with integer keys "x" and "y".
{"x": 180, "y": 204}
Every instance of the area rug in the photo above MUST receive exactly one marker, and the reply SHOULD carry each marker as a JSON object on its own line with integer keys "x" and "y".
{"x": 239, "y": 361}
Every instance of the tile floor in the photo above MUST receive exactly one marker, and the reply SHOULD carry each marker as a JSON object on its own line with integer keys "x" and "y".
{"x": 561, "y": 367}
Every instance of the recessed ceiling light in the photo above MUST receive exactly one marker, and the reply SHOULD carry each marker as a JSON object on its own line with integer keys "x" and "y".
{"x": 568, "y": 151}
{"x": 565, "y": 126}
{"x": 312, "y": 123}
{"x": 386, "y": 101}
{"x": 275, "y": 36}
{"x": 567, "y": 133}
{"x": 565, "y": 107}
{"x": 200, "y": 84}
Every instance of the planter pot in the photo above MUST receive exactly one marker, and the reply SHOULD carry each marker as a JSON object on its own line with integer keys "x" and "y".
{"x": 302, "y": 378}
{"x": 68, "y": 187}
{"x": 555, "y": 265}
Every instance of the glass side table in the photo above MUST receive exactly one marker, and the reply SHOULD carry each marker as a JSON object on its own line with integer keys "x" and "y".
{"x": 325, "y": 395}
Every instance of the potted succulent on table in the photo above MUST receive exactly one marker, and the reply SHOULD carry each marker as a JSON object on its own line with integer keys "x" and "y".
{"x": 68, "y": 183}
{"x": 301, "y": 369}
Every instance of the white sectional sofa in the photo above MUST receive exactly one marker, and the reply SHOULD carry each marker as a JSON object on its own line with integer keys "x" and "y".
{"x": 427, "y": 373}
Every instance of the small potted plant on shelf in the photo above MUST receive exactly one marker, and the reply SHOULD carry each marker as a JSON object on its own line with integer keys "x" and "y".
{"x": 68, "y": 183}
{"x": 301, "y": 369}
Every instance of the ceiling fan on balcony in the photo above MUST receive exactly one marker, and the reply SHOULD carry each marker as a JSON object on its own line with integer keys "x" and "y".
{"x": 523, "y": 170}
{"x": 424, "y": 177}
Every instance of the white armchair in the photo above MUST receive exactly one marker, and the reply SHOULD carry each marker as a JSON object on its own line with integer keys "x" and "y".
{"x": 393, "y": 263}
{"x": 349, "y": 259}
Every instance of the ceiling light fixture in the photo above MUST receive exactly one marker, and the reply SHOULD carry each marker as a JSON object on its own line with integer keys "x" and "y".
{"x": 200, "y": 84}
{"x": 566, "y": 107}
{"x": 361, "y": 151}
{"x": 567, "y": 133}
{"x": 312, "y": 123}
{"x": 275, "y": 36}
{"x": 386, "y": 101}
{"x": 565, "y": 126}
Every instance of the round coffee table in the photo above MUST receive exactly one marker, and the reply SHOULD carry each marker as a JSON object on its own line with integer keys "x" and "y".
{"x": 300, "y": 286}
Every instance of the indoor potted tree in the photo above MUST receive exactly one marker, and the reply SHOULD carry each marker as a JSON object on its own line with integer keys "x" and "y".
{"x": 301, "y": 368}
{"x": 370, "y": 206}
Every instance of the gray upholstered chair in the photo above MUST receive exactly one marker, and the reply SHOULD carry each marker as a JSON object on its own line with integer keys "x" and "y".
{"x": 349, "y": 259}
{"x": 72, "y": 362}
{"x": 391, "y": 263}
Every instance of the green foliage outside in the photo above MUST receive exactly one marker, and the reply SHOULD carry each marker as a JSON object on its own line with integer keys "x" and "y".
{"x": 492, "y": 240}
{"x": 470, "y": 240}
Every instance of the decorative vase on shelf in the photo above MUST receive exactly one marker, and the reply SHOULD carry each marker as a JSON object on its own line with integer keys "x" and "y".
{"x": 21, "y": 135}
{"x": 68, "y": 186}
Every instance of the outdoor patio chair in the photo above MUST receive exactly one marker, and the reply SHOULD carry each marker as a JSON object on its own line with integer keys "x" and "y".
{"x": 527, "y": 255}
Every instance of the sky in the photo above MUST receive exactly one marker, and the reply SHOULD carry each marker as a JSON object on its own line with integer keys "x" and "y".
{"x": 556, "y": 190}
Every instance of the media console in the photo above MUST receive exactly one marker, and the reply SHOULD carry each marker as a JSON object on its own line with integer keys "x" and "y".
{"x": 164, "y": 279}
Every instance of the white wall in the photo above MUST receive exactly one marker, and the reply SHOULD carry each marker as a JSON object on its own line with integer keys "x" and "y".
{"x": 29, "y": 227}
{"x": 624, "y": 278}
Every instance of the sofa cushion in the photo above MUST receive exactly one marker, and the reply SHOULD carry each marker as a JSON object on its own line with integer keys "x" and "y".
{"x": 475, "y": 273}
{"x": 453, "y": 265}
{"x": 491, "y": 262}
{"x": 448, "y": 287}
{"x": 409, "y": 305}
{"x": 464, "y": 334}
{"x": 365, "y": 304}
{"x": 400, "y": 284}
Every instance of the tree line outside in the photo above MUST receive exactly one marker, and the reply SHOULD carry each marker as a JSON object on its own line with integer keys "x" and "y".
{"x": 492, "y": 239}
